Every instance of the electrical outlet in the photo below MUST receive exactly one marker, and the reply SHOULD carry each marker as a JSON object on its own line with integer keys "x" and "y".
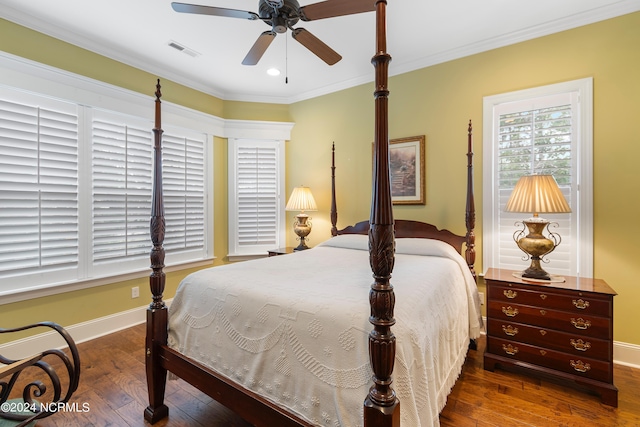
{"x": 481, "y": 297}
{"x": 135, "y": 292}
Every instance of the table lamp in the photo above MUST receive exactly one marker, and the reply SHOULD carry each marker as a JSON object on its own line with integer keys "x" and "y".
{"x": 301, "y": 200}
{"x": 536, "y": 194}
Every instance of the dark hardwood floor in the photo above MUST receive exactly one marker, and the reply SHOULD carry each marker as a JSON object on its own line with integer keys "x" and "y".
{"x": 112, "y": 383}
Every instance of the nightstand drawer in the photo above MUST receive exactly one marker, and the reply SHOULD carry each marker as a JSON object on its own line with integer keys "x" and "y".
{"x": 592, "y": 326}
{"x": 582, "y": 366}
{"x": 548, "y": 338}
{"x": 581, "y": 303}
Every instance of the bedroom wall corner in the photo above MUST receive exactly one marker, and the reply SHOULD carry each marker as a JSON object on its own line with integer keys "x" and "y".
{"x": 346, "y": 119}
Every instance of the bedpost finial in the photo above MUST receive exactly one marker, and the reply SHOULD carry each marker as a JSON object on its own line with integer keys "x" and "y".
{"x": 470, "y": 126}
{"x": 158, "y": 93}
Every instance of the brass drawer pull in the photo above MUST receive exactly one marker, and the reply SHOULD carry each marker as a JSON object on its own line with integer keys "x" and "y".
{"x": 510, "y": 294}
{"x": 543, "y": 297}
{"x": 580, "y": 323}
{"x": 543, "y": 312}
{"x": 510, "y": 330}
{"x": 580, "y": 345}
{"x": 581, "y": 304}
{"x": 580, "y": 366}
{"x": 510, "y": 311}
{"x": 543, "y": 332}
{"x": 543, "y": 352}
{"x": 509, "y": 349}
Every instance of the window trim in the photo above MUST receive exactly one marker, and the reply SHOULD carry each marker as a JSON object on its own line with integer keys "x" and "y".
{"x": 584, "y": 164}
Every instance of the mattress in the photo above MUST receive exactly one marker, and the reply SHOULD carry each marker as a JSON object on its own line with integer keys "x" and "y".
{"x": 295, "y": 328}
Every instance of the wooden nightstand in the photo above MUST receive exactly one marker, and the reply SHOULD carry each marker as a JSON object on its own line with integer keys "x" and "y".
{"x": 560, "y": 329}
{"x": 281, "y": 251}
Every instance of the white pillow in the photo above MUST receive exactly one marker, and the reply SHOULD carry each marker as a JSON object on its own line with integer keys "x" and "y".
{"x": 429, "y": 247}
{"x": 408, "y": 246}
{"x": 348, "y": 241}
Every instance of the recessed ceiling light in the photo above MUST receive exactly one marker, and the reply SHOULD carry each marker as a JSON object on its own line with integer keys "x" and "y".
{"x": 273, "y": 72}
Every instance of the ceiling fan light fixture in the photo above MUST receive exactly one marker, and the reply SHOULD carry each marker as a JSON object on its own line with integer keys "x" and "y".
{"x": 273, "y": 72}
{"x": 279, "y": 24}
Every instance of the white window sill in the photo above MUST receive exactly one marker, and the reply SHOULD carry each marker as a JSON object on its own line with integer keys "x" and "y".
{"x": 11, "y": 296}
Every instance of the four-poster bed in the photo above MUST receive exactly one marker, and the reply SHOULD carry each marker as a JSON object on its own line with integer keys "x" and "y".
{"x": 285, "y": 369}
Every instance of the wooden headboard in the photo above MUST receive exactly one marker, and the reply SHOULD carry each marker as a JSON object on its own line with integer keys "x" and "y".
{"x": 417, "y": 229}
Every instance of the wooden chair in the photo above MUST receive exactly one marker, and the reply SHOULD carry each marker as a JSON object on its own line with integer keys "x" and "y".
{"x": 44, "y": 375}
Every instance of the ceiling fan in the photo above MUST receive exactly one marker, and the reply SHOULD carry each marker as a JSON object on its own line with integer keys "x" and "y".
{"x": 282, "y": 15}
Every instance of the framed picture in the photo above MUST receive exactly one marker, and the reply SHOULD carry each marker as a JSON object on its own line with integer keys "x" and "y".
{"x": 406, "y": 156}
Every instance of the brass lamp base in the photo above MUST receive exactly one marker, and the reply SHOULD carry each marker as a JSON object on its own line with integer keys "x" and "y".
{"x": 302, "y": 228}
{"x": 535, "y": 271}
{"x": 536, "y": 245}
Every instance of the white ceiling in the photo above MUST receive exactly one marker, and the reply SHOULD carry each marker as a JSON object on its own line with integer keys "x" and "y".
{"x": 420, "y": 33}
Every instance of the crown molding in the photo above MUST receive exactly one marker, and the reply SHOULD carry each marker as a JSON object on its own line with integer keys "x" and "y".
{"x": 620, "y": 8}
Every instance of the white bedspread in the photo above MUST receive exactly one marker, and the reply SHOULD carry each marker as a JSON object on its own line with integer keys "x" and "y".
{"x": 295, "y": 328}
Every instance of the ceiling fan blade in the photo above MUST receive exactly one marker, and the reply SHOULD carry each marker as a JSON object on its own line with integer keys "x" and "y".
{"x": 215, "y": 11}
{"x": 332, "y": 8}
{"x": 315, "y": 45}
{"x": 259, "y": 48}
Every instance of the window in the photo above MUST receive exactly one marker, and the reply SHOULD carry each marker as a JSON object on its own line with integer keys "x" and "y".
{"x": 38, "y": 185}
{"x": 256, "y": 206}
{"x": 76, "y": 178}
{"x": 541, "y": 130}
{"x": 121, "y": 171}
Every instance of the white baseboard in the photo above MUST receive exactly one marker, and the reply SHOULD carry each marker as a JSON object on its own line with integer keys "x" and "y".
{"x": 626, "y": 354}
{"x": 80, "y": 332}
{"x": 623, "y": 353}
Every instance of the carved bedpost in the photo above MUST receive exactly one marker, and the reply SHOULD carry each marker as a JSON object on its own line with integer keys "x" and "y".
{"x": 381, "y": 407}
{"x": 470, "y": 216}
{"x": 334, "y": 210}
{"x": 157, "y": 224}
{"x": 157, "y": 311}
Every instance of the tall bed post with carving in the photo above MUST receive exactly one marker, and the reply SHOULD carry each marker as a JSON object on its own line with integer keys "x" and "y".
{"x": 334, "y": 210}
{"x": 381, "y": 406}
{"x": 470, "y": 213}
{"x": 157, "y": 313}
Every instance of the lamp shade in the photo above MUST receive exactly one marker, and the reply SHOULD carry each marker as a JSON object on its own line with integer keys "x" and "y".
{"x": 537, "y": 194}
{"x": 301, "y": 200}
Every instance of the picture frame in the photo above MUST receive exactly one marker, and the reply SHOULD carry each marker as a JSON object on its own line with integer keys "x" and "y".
{"x": 407, "y": 167}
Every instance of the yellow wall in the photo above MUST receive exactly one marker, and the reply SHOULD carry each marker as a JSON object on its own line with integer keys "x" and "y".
{"x": 438, "y": 102}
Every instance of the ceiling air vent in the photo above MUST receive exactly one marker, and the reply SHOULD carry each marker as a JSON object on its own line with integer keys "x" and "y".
{"x": 183, "y": 49}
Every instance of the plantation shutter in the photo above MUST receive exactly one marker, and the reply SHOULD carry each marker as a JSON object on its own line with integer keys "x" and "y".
{"x": 183, "y": 183}
{"x": 121, "y": 175}
{"x": 38, "y": 184}
{"x": 122, "y": 186}
{"x": 257, "y": 196}
{"x": 256, "y": 209}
